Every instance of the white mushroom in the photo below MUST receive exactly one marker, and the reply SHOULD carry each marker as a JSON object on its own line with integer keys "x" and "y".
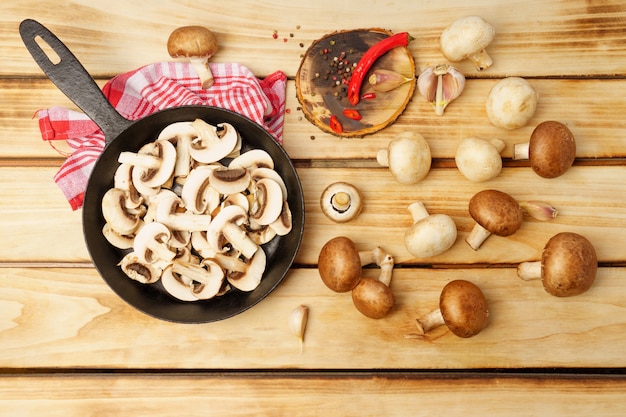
{"x": 118, "y": 240}
{"x": 151, "y": 243}
{"x": 227, "y": 224}
{"x": 170, "y": 213}
{"x": 268, "y": 201}
{"x": 254, "y": 158}
{"x": 139, "y": 270}
{"x": 228, "y": 180}
{"x": 467, "y": 38}
{"x": 212, "y": 144}
{"x": 430, "y": 234}
{"x": 149, "y": 175}
{"x": 284, "y": 223}
{"x": 250, "y": 278}
{"x": 205, "y": 279}
{"x": 264, "y": 172}
{"x": 122, "y": 179}
{"x": 182, "y": 134}
{"x": 478, "y": 159}
{"x": 341, "y": 202}
{"x": 196, "y": 193}
{"x": 116, "y": 214}
{"x": 407, "y": 156}
{"x": 511, "y": 103}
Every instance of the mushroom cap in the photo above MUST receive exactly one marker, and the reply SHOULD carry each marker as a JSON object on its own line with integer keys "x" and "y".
{"x": 463, "y": 308}
{"x": 552, "y": 149}
{"x": 339, "y": 264}
{"x": 409, "y": 157}
{"x": 191, "y": 41}
{"x": 430, "y": 236}
{"x": 345, "y": 211}
{"x": 372, "y": 298}
{"x": 478, "y": 159}
{"x": 464, "y": 37}
{"x": 497, "y": 212}
{"x": 511, "y": 103}
{"x": 568, "y": 265}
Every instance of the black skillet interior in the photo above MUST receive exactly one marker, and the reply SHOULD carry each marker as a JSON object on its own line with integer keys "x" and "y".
{"x": 152, "y": 299}
{"x": 74, "y": 81}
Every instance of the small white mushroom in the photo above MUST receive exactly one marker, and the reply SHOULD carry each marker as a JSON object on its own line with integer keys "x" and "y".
{"x": 212, "y": 144}
{"x": 407, "y": 156}
{"x": 467, "y": 38}
{"x": 430, "y": 234}
{"x": 511, "y": 103}
{"x": 341, "y": 202}
{"x": 478, "y": 159}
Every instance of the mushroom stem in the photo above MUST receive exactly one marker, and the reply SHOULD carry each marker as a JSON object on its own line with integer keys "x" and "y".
{"x": 418, "y": 211}
{"x": 376, "y": 255}
{"x": 477, "y": 236}
{"x": 382, "y": 157}
{"x": 481, "y": 60}
{"x": 386, "y": 269}
{"x": 430, "y": 321}
{"x": 201, "y": 65}
{"x": 521, "y": 151}
{"x": 529, "y": 270}
{"x": 498, "y": 144}
{"x": 340, "y": 201}
{"x": 239, "y": 239}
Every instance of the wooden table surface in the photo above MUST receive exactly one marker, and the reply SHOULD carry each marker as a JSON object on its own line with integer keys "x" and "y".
{"x": 70, "y": 346}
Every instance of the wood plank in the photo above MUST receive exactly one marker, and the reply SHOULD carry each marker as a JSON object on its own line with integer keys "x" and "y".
{"x": 66, "y": 318}
{"x": 588, "y": 107}
{"x": 556, "y": 38}
{"x": 39, "y": 225}
{"x": 310, "y": 395}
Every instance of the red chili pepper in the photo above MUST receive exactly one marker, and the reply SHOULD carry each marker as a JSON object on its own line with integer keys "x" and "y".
{"x": 352, "y": 114}
{"x": 368, "y": 59}
{"x": 335, "y": 124}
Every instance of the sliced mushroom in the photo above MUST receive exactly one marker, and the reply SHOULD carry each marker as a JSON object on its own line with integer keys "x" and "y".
{"x": 283, "y": 224}
{"x": 139, "y": 270}
{"x": 196, "y": 193}
{"x": 201, "y": 245}
{"x": 153, "y": 176}
{"x": 116, "y": 239}
{"x": 254, "y": 158}
{"x": 228, "y": 180}
{"x": 182, "y": 134}
{"x": 212, "y": 144}
{"x": 268, "y": 202}
{"x": 116, "y": 214}
{"x": 227, "y": 225}
{"x": 122, "y": 179}
{"x": 177, "y": 285}
{"x": 205, "y": 279}
{"x": 171, "y": 214}
{"x": 263, "y": 172}
{"x": 249, "y": 279}
{"x": 151, "y": 243}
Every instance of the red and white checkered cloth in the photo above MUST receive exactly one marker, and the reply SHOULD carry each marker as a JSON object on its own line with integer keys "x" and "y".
{"x": 158, "y": 86}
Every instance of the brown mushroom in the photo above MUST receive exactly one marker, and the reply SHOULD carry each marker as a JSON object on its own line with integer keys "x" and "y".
{"x": 340, "y": 263}
{"x": 495, "y": 212}
{"x": 373, "y": 297}
{"x": 462, "y": 308}
{"x": 551, "y": 149}
{"x": 568, "y": 265}
{"x": 198, "y": 44}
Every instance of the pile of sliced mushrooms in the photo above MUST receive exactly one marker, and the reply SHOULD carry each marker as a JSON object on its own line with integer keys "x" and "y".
{"x": 191, "y": 220}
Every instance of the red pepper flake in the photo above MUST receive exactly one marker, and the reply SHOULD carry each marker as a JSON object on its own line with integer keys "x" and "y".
{"x": 335, "y": 124}
{"x": 368, "y": 96}
{"x": 352, "y": 114}
{"x": 275, "y": 34}
{"x": 284, "y": 39}
{"x": 287, "y": 111}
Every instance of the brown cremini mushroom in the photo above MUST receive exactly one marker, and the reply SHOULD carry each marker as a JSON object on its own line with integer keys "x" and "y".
{"x": 373, "y": 297}
{"x": 551, "y": 149}
{"x": 462, "y": 308}
{"x": 495, "y": 212}
{"x": 198, "y": 44}
{"x": 568, "y": 265}
{"x": 340, "y": 263}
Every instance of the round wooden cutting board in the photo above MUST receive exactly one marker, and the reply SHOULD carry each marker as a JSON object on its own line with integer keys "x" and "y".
{"x": 323, "y": 77}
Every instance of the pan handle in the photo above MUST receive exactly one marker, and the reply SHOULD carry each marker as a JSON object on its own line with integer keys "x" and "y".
{"x": 69, "y": 75}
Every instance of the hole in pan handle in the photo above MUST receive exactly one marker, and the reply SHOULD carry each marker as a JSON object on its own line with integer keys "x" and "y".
{"x": 71, "y": 77}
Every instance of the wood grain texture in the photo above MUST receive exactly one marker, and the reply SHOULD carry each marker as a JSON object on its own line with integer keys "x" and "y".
{"x": 310, "y": 395}
{"x": 67, "y": 318}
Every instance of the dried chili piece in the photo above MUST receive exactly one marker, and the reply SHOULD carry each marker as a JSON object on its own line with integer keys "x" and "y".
{"x": 335, "y": 124}
{"x": 368, "y": 59}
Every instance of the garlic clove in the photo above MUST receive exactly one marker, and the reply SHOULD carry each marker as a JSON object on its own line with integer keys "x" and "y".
{"x": 297, "y": 322}
{"x": 440, "y": 85}
{"x": 539, "y": 210}
{"x": 386, "y": 80}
